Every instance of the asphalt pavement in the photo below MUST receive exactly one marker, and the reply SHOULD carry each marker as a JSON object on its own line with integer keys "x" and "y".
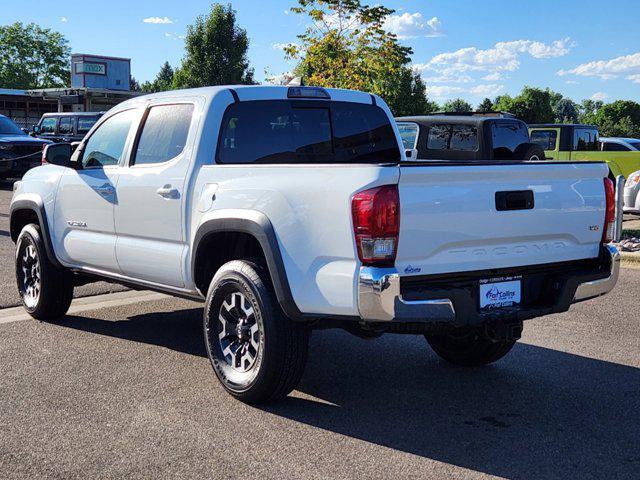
{"x": 127, "y": 392}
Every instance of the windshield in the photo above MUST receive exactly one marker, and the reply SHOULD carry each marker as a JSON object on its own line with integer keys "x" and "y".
{"x": 7, "y": 127}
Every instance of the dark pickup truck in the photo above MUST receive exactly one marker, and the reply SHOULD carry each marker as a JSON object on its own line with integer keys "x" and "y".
{"x": 478, "y": 137}
{"x": 18, "y": 151}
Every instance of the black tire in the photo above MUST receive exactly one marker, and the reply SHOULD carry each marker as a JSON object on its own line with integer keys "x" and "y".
{"x": 468, "y": 348}
{"x": 265, "y": 351}
{"x": 45, "y": 290}
{"x": 529, "y": 151}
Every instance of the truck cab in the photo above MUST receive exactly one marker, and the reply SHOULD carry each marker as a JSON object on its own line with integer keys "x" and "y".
{"x": 582, "y": 143}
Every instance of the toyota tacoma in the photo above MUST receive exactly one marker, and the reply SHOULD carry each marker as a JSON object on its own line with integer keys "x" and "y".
{"x": 287, "y": 209}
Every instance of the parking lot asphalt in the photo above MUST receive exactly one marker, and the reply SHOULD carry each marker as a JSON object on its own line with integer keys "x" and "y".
{"x": 127, "y": 392}
{"x": 8, "y": 293}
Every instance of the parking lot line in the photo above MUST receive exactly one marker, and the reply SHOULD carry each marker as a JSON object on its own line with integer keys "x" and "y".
{"x": 85, "y": 304}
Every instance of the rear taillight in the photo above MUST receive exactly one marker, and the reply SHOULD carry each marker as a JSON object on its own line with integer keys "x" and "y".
{"x": 376, "y": 224}
{"x": 610, "y": 212}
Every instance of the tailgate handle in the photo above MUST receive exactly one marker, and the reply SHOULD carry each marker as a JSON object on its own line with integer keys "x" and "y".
{"x": 514, "y": 200}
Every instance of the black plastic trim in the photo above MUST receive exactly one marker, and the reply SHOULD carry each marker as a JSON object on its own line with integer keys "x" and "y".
{"x": 38, "y": 208}
{"x": 234, "y": 94}
{"x": 373, "y": 100}
{"x": 258, "y": 225}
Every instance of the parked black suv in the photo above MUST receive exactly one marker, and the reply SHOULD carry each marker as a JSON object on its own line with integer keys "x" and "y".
{"x": 467, "y": 138}
{"x": 66, "y": 127}
{"x": 18, "y": 151}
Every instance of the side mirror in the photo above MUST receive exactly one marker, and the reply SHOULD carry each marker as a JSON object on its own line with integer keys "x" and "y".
{"x": 60, "y": 154}
{"x": 35, "y": 129}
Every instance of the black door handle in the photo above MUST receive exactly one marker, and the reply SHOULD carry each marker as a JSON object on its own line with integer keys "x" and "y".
{"x": 514, "y": 200}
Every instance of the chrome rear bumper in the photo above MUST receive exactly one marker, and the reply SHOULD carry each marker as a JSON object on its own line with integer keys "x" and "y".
{"x": 380, "y": 298}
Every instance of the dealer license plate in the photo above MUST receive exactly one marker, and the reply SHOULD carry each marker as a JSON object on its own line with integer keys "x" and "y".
{"x": 500, "y": 294}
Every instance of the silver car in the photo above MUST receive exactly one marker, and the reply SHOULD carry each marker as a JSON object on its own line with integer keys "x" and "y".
{"x": 615, "y": 144}
{"x": 632, "y": 193}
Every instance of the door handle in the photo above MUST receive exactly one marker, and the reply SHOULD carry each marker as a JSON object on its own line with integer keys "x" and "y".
{"x": 168, "y": 192}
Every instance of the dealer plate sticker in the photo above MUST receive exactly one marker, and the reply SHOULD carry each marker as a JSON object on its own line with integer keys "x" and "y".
{"x": 500, "y": 294}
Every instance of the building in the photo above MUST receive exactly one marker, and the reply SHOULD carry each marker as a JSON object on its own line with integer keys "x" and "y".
{"x": 97, "y": 84}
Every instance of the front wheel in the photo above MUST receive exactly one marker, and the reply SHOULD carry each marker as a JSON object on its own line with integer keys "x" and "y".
{"x": 467, "y": 347}
{"x": 46, "y": 291}
{"x": 256, "y": 351}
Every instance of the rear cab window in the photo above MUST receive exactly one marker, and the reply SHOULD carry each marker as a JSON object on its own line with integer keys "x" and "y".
{"x": 65, "y": 126}
{"x": 306, "y": 131}
{"x": 164, "y": 134}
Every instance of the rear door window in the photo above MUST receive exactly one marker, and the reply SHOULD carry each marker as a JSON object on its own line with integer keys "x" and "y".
{"x": 462, "y": 138}
{"x": 507, "y": 137}
{"x": 66, "y": 125}
{"x": 546, "y": 139}
{"x": 282, "y": 131}
{"x": 164, "y": 133}
{"x": 48, "y": 125}
{"x": 585, "y": 140}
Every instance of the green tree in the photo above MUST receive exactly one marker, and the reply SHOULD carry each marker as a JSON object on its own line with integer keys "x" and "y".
{"x": 588, "y": 110}
{"x": 457, "y": 105}
{"x": 533, "y": 105}
{"x": 134, "y": 85}
{"x": 346, "y": 46}
{"x": 619, "y": 119}
{"x": 566, "y": 111}
{"x": 33, "y": 57}
{"x": 162, "y": 82}
{"x": 486, "y": 105}
{"x": 216, "y": 52}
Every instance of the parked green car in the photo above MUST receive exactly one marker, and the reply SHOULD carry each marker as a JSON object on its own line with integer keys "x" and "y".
{"x": 565, "y": 142}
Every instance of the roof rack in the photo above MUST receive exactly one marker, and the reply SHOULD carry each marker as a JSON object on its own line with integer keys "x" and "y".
{"x": 477, "y": 114}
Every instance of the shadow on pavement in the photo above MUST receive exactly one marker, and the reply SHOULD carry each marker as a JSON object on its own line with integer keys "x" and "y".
{"x": 539, "y": 413}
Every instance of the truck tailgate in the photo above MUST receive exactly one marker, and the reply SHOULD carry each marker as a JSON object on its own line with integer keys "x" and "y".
{"x": 453, "y": 221}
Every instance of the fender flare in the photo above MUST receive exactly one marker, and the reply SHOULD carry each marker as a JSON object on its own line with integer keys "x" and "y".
{"x": 35, "y": 205}
{"x": 259, "y": 226}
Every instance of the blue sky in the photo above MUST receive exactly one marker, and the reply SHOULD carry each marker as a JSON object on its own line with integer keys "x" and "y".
{"x": 467, "y": 48}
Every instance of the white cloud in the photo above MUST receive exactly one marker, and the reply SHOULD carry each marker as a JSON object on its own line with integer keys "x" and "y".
{"x": 493, "y": 77}
{"x": 634, "y": 78}
{"x": 282, "y": 79}
{"x": 599, "y": 96}
{"x": 503, "y": 56}
{"x": 572, "y": 82}
{"x": 607, "y": 69}
{"x": 490, "y": 90}
{"x": 158, "y": 20}
{"x": 64, "y": 19}
{"x": 448, "y": 91}
{"x": 413, "y": 25}
{"x": 168, "y": 35}
{"x": 281, "y": 46}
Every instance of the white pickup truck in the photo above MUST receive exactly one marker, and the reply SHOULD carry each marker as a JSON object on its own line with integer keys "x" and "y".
{"x": 292, "y": 208}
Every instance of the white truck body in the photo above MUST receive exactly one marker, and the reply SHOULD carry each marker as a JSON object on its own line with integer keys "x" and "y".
{"x": 138, "y": 224}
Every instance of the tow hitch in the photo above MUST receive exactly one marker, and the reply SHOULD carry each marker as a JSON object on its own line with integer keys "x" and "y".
{"x": 498, "y": 331}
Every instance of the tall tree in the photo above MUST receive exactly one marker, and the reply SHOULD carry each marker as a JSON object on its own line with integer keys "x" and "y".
{"x": 588, "y": 110}
{"x": 33, "y": 57}
{"x": 486, "y": 105}
{"x": 566, "y": 111}
{"x": 216, "y": 51}
{"x": 457, "y": 105}
{"x": 533, "y": 105}
{"x": 346, "y": 46}
{"x": 162, "y": 82}
{"x": 134, "y": 85}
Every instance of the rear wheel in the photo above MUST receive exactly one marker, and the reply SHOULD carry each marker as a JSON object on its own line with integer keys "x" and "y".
{"x": 256, "y": 351}
{"x": 46, "y": 291}
{"x": 468, "y": 347}
{"x": 529, "y": 151}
